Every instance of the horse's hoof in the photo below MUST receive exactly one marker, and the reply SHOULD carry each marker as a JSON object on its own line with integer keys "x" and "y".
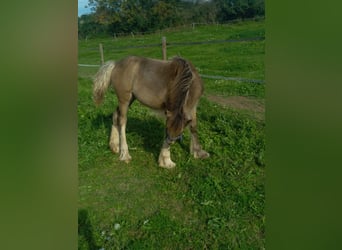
{"x": 126, "y": 158}
{"x": 201, "y": 154}
{"x": 115, "y": 149}
{"x": 167, "y": 164}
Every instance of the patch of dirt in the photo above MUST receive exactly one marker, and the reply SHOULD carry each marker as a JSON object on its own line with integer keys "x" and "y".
{"x": 252, "y": 106}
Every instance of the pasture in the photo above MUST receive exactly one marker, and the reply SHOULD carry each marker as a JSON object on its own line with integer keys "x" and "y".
{"x": 216, "y": 203}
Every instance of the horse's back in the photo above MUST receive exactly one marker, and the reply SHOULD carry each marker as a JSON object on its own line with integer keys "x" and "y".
{"x": 148, "y": 80}
{"x": 145, "y": 78}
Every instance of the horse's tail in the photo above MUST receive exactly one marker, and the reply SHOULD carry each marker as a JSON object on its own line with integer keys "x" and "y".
{"x": 102, "y": 81}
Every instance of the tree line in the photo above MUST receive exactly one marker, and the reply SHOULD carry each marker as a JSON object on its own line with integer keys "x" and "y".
{"x": 121, "y": 16}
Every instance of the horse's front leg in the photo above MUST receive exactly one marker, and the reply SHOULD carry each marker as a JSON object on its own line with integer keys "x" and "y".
{"x": 165, "y": 156}
{"x": 114, "y": 135}
{"x": 124, "y": 153}
{"x": 195, "y": 146}
{"x": 122, "y": 120}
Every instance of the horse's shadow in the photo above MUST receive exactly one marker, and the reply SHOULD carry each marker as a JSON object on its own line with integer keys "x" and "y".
{"x": 149, "y": 129}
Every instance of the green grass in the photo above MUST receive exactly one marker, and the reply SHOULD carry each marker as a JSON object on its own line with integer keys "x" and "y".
{"x": 244, "y": 59}
{"x": 234, "y": 88}
{"x": 216, "y": 203}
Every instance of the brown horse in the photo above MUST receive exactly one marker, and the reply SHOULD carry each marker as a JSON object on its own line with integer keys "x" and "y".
{"x": 173, "y": 87}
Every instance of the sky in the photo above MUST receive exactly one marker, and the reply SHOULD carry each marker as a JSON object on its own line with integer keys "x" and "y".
{"x": 81, "y": 9}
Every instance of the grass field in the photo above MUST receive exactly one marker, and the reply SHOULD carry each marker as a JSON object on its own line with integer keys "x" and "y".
{"x": 216, "y": 203}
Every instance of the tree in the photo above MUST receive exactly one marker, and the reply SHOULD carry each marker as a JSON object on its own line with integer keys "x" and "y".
{"x": 87, "y": 26}
{"x": 234, "y": 9}
{"x": 164, "y": 15}
{"x": 106, "y": 11}
{"x": 115, "y": 16}
{"x": 135, "y": 15}
{"x": 205, "y": 12}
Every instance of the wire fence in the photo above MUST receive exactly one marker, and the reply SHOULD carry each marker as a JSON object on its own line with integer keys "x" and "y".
{"x": 170, "y": 44}
{"x": 189, "y": 26}
{"x": 237, "y": 79}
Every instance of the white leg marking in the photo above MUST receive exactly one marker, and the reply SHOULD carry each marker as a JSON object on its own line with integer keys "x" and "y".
{"x": 165, "y": 157}
{"x": 124, "y": 154}
{"x": 114, "y": 139}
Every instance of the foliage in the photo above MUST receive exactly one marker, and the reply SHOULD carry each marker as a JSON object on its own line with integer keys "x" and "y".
{"x": 233, "y": 9}
{"x": 150, "y": 15}
{"x": 89, "y": 27}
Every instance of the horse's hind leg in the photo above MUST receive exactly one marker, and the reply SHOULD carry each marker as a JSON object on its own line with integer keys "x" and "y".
{"x": 195, "y": 146}
{"x": 114, "y": 135}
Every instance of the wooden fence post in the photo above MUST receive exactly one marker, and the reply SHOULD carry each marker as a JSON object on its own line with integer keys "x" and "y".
{"x": 101, "y": 53}
{"x": 164, "y": 48}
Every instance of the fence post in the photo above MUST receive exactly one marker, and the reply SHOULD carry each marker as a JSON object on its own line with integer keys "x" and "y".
{"x": 101, "y": 53}
{"x": 164, "y": 48}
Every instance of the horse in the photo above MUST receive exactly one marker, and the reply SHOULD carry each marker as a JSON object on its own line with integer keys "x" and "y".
{"x": 173, "y": 87}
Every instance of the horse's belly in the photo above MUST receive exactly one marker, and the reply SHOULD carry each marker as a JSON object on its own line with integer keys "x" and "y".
{"x": 152, "y": 100}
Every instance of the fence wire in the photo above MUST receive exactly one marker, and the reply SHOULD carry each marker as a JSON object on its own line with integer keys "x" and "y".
{"x": 227, "y": 78}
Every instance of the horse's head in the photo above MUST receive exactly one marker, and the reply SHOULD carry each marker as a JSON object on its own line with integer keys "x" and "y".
{"x": 175, "y": 124}
{"x": 184, "y": 90}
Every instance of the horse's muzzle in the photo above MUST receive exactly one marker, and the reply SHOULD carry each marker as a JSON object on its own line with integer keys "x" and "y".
{"x": 171, "y": 140}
